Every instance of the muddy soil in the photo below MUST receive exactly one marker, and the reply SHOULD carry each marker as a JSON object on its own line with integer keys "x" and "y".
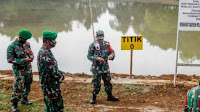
{"x": 148, "y": 96}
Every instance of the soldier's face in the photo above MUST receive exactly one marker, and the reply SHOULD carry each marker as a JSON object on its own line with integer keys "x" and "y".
{"x": 52, "y": 43}
{"x": 22, "y": 40}
{"x": 99, "y": 41}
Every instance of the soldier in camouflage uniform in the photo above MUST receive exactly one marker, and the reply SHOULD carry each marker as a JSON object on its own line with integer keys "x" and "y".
{"x": 19, "y": 53}
{"x": 50, "y": 76}
{"x": 192, "y": 103}
{"x": 99, "y": 53}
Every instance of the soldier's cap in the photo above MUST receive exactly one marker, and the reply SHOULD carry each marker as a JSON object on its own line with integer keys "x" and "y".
{"x": 49, "y": 35}
{"x": 25, "y": 34}
{"x": 99, "y": 34}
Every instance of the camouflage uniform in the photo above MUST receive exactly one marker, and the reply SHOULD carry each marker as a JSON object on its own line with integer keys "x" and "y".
{"x": 16, "y": 54}
{"x": 192, "y": 103}
{"x": 100, "y": 69}
{"x": 51, "y": 78}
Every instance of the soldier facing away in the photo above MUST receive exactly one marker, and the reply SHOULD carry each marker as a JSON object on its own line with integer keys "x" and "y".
{"x": 99, "y": 53}
{"x": 50, "y": 76}
{"x": 19, "y": 53}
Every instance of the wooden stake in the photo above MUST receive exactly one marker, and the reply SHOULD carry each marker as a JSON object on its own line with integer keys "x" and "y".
{"x": 131, "y": 64}
{"x": 90, "y": 4}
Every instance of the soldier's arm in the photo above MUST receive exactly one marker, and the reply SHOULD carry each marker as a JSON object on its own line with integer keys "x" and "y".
{"x": 11, "y": 58}
{"x": 90, "y": 55}
{"x": 111, "y": 51}
{"x": 186, "y": 105}
{"x": 31, "y": 52}
{"x": 52, "y": 68}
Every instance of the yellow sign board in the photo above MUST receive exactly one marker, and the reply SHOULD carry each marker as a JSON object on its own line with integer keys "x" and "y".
{"x": 131, "y": 42}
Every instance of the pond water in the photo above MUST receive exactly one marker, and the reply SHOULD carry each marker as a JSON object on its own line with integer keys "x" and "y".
{"x": 71, "y": 20}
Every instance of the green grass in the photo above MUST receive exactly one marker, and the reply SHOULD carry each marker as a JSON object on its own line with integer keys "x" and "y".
{"x": 137, "y": 90}
{"x": 68, "y": 109}
{"x": 5, "y": 104}
{"x": 102, "y": 92}
{"x": 2, "y": 91}
{"x": 35, "y": 107}
{"x": 5, "y": 107}
{"x": 154, "y": 90}
{"x": 4, "y": 97}
{"x": 170, "y": 88}
{"x": 1, "y": 82}
{"x": 133, "y": 87}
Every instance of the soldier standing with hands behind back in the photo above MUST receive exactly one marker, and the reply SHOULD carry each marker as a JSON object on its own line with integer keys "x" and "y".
{"x": 99, "y": 54}
{"x": 19, "y": 53}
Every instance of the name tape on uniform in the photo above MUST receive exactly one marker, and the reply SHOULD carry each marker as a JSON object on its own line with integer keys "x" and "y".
{"x": 131, "y": 42}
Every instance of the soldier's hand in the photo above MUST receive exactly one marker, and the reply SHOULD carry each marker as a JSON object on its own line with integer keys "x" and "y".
{"x": 110, "y": 57}
{"x": 32, "y": 59}
{"x": 63, "y": 76}
{"x": 100, "y": 59}
{"x": 27, "y": 60}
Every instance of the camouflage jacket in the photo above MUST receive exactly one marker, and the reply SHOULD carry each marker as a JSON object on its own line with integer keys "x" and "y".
{"x": 48, "y": 68}
{"x": 104, "y": 52}
{"x": 17, "y": 52}
{"x": 192, "y": 103}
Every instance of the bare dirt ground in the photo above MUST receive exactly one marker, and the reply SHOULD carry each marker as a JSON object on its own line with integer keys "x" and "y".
{"x": 139, "y": 94}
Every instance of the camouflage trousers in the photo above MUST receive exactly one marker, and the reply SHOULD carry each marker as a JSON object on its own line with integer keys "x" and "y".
{"x": 97, "y": 82}
{"x": 22, "y": 83}
{"x": 53, "y": 99}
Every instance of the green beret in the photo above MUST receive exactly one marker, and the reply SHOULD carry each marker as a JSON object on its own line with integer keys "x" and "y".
{"x": 49, "y": 35}
{"x": 25, "y": 34}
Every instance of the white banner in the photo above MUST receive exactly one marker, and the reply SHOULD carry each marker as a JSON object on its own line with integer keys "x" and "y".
{"x": 189, "y": 15}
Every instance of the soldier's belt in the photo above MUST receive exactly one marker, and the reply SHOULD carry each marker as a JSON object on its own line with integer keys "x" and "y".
{"x": 19, "y": 66}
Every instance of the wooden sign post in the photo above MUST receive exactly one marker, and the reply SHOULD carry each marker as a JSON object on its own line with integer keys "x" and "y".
{"x": 131, "y": 43}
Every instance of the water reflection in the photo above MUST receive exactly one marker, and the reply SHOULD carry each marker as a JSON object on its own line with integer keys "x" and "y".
{"x": 71, "y": 19}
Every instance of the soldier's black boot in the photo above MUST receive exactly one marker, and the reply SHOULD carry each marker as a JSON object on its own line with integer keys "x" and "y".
{"x": 93, "y": 100}
{"x": 14, "y": 107}
{"x": 111, "y": 97}
{"x": 25, "y": 101}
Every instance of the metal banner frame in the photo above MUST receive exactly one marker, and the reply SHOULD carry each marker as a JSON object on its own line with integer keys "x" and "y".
{"x": 180, "y": 64}
{"x": 188, "y": 20}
